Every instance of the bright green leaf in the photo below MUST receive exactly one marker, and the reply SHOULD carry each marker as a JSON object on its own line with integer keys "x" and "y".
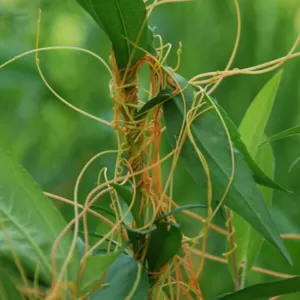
{"x": 284, "y": 134}
{"x": 95, "y": 268}
{"x": 267, "y": 289}
{"x": 125, "y": 23}
{"x": 252, "y": 130}
{"x": 259, "y": 175}
{"x": 208, "y": 132}
{"x": 30, "y": 224}
{"x": 253, "y": 125}
{"x": 164, "y": 244}
{"x": 125, "y": 278}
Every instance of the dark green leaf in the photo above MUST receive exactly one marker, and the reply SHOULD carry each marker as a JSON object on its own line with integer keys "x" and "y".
{"x": 284, "y": 134}
{"x": 30, "y": 224}
{"x": 125, "y": 278}
{"x": 162, "y": 97}
{"x": 268, "y": 289}
{"x": 8, "y": 289}
{"x": 137, "y": 237}
{"x": 209, "y": 135}
{"x": 165, "y": 242}
{"x": 125, "y": 23}
{"x": 95, "y": 268}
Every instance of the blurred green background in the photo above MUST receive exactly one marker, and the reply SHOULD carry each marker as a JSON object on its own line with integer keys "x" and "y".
{"x": 53, "y": 142}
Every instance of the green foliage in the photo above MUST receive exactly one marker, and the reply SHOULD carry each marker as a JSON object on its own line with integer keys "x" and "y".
{"x": 95, "y": 269}
{"x": 284, "y": 134}
{"x": 125, "y": 23}
{"x": 127, "y": 195}
{"x": 259, "y": 174}
{"x": 162, "y": 97}
{"x": 209, "y": 137}
{"x": 164, "y": 244}
{"x": 253, "y": 125}
{"x": 8, "y": 288}
{"x": 249, "y": 242}
{"x": 125, "y": 278}
{"x": 267, "y": 289}
{"x": 54, "y": 145}
{"x": 30, "y": 224}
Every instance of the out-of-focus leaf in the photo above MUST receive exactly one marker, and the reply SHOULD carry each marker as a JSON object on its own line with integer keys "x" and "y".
{"x": 95, "y": 268}
{"x": 125, "y": 278}
{"x": 164, "y": 243}
{"x": 210, "y": 138}
{"x": 125, "y": 23}
{"x": 30, "y": 224}
{"x": 294, "y": 164}
{"x": 8, "y": 289}
{"x": 263, "y": 290}
{"x": 284, "y": 134}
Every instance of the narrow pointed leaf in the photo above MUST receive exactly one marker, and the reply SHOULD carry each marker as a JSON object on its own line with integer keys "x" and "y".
{"x": 30, "y": 224}
{"x": 284, "y": 134}
{"x": 162, "y": 97}
{"x": 263, "y": 290}
{"x": 248, "y": 241}
{"x": 125, "y": 23}
{"x": 259, "y": 175}
{"x": 254, "y": 123}
{"x": 180, "y": 209}
{"x": 252, "y": 130}
{"x": 125, "y": 278}
{"x": 208, "y": 132}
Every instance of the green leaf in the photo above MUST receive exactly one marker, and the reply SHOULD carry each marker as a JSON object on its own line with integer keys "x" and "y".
{"x": 8, "y": 289}
{"x": 30, "y": 224}
{"x": 162, "y": 97}
{"x": 164, "y": 244}
{"x": 180, "y": 209}
{"x": 284, "y": 134}
{"x": 253, "y": 124}
{"x": 259, "y": 175}
{"x": 208, "y": 132}
{"x": 267, "y": 289}
{"x": 95, "y": 268}
{"x": 125, "y": 278}
{"x": 252, "y": 130}
{"x": 125, "y": 23}
{"x": 137, "y": 238}
{"x": 248, "y": 241}
{"x": 126, "y": 194}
